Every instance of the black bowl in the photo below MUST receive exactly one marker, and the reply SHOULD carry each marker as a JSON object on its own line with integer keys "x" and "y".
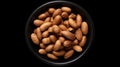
{"x": 57, "y": 4}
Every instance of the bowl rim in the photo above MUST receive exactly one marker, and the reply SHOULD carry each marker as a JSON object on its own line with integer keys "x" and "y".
{"x": 68, "y": 62}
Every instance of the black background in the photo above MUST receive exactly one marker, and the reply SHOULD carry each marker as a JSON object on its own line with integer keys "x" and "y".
{"x": 17, "y": 52}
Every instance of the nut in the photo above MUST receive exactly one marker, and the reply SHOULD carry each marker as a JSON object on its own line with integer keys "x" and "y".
{"x": 84, "y": 27}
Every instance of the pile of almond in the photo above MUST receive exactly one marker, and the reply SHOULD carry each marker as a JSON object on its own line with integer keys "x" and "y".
{"x": 59, "y": 33}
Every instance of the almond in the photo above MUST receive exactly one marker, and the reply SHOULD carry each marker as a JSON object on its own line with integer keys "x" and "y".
{"x": 72, "y": 23}
{"x": 53, "y": 38}
{"x": 68, "y": 54}
{"x": 59, "y": 53}
{"x": 42, "y": 51}
{"x": 46, "y": 40}
{"x": 68, "y": 35}
{"x": 37, "y": 22}
{"x": 84, "y": 27}
{"x": 45, "y": 26}
{"x": 57, "y": 45}
{"x": 83, "y": 41}
{"x": 66, "y": 9}
{"x": 78, "y": 34}
{"x": 38, "y": 33}
{"x": 78, "y": 20}
{"x": 77, "y": 48}
{"x": 57, "y": 12}
{"x": 35, "y": 38}
{"x": 49, "y": 48}
{"x": 57, "y": 20}
{"x": 52, "y": 56}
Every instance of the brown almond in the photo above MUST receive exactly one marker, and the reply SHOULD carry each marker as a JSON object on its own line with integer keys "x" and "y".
{"x": 57, "y": 20}
{"x": 38, "y": 33}
{"x": 47, "y": 19}
{"x": 62, "y": 27}
{"x": 35, "y": 38}
{"x": 56, "y": 29}
{"x": 64, "y": 15}
{"x": 62, "y": 39}
{"x": 66, "y": 9}
{"x": 78, "y": 20}
{"x": 57, "y": 45}
{"x": 51, "y": 10}
{"x": 83, "y": 41}
{"x": 45, "y": 26}
{"x": 78, "y": 34}
{"x": 68, "y": 54}
{"x": 72, "y": 23}
{"x": 59, "y": 53}
{"x": 57, "y": 12}
{"x": 75, "y": 42}
{"x": 68, "y": 35}
{"x": 50, "y": 29}
{"x": 42, "y": 51}
{"x": 46, "y": 40}
{"x": 67, "y": 43}
{"x": 42, "y": 45}
{"x": 53, "y": 38}
{"x": 38, "y": 22}
{"x": 84, "y": 28}
{"x": 77, "y": 48}
{"x": 49, "y": 48}
{"x": 42, "y": 16}
{"x": 45, "y": 34}
{"x": 52, "y": 56}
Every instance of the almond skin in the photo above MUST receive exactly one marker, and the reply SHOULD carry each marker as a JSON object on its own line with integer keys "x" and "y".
{"x": 42, "y": 51}
{"x": 63, "y": 27}
{"x": 68, "y": 54}
{"x": 57, "y": 45}
{"x": 37, "y": 22}
{"x": 77, "y": 48}
{"x": 57, "y": 20}
{"x": 52, "y": 56}
{"x": 83, "y": 41}
{"x": 78, "y": 34}
{"x": 57, "y": 12}
{"x": 51, "y": 10}
{"x": 45, "y": 26}
{"x": 45, "y": 34}
{"x": 62, "y": 39}
{"x": 35, "y": 38}
{"x": 78, "y": 20}
{"x": 42, "y": 16}
{"x": 59, "y": 53}
{"x": 42, "y": 45}
{"x": 67, "y": 43}
{"x": 53, "y": 38}
{"x": 84, "y": 28}
{"x": 38, "y": 33}
{"x": 49, "y": 48}
{"x": 72, "y": 23}
{"x": 46, "y": 40}
{"x": 66, "y": 9}
{"x": 68, "y": 35}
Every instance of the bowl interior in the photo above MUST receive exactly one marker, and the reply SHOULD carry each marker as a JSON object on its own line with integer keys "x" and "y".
{"x": 57, "y": 4}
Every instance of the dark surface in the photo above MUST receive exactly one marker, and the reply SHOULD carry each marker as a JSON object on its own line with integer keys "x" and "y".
{"x": 17, "y": 51}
